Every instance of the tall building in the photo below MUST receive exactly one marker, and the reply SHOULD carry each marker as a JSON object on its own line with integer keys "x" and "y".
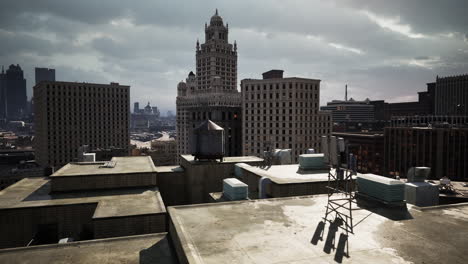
{"x": 136, "y": 107}
{"x": 438, "y": 142}
{"x": 44, "y": 74}
{"x": 211, "y": 93}
{"x": 13, "y": 100}
{"x": 451, "y": 95}
{"x": 282, "y": 112}
{"x": 69, "y": 115}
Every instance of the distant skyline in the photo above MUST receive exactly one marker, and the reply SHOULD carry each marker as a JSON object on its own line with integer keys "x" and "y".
{"x": 381, "y": 49}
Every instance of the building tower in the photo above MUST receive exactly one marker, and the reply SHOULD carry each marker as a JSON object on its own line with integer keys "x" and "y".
{"x": 211, "y": 93}
{"x": 69, "y": 115}
{"x": 282, "y": 113}
{"x": 13, "y": 100}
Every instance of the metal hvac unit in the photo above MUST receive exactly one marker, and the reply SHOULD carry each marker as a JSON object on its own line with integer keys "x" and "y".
{"x": 208, "y": 141}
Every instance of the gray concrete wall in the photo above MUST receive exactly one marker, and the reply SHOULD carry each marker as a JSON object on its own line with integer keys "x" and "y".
{"x": 128, "y": 226}
{"x": 172, "y": 187}
{"x": 105, "y": 181}
{"x": 18, "y": 226}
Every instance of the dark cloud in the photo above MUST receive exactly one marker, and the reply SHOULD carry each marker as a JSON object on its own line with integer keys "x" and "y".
{"x": 382, "y": 49}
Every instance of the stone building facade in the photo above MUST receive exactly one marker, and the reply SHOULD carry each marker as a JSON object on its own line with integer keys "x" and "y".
{"x": 69, "y": 115}
{"x": 282, "y": 113}
{"x": 211, "y": 93}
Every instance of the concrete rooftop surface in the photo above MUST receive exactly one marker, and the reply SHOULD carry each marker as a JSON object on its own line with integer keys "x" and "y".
{"x": 142, "y": 249}
{"x": 287, "y": 174}
{"x": 291, "y": 230}
{"x": 35, "y": 192}
{"x": 136, "y": 164}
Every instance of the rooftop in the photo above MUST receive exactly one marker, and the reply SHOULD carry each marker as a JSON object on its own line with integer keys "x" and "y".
{"x": 35, "y": 192}
{"x": 191, "y": 159}
{"x": 287, "y": 174}
{"x": 143, "y": 249}
{"x": 290, "y": 230}
{"x": 135, "y": 164}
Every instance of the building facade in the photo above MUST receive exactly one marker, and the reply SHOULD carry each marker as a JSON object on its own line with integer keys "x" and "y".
{"x": 13, "y": 100}
{"x": 438, "y": 142}
{"x": 44, "y": 74}
{"x": 211, "y": 93}
{"x": 368, "y": 150}
{"x": 282, "y": 113}
{"x": 350, "y": 110}
{"x": 69, "y": 115}
{"x": 164, "y": 152}
{"x": 451, "y": 95}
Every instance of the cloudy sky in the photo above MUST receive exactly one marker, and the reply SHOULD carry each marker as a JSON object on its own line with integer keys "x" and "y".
{"x": 382, "y": 49}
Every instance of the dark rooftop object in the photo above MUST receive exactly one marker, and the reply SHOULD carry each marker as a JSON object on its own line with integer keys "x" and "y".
{"x": 273, "y": 74}
{"x": 191, "y": 73}
{"x": 207, "y": 141}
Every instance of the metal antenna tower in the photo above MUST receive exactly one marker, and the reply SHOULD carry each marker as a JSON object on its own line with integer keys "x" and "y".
{"x": 340, "y": 185}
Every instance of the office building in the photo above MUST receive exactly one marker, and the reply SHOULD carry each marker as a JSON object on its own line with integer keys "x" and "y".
{"x": 451, "y": 96}
{"x": 282, "y": 113}
{"x": 438, "y": 142}
{"x": 211, "y": 93}
{"x": 350, "y": 110}
{"x": 13, "y": 100}
{"x": 69, "y": 115}
{"x": 368, "y": 148}
{"x": 44, "y": 74}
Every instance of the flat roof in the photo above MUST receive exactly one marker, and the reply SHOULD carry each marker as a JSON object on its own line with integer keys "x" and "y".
{"x": 288, "y": 174}
{"x": 123, "y": 165}
{"x": 144, "y": 249}
{"x": 239, "y": 159}
{"x": 35, "y": 192}
{"x": 287, "y": 230}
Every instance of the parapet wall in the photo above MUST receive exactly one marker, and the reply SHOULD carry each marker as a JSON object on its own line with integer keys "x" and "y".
{"x": 102, "y": 181}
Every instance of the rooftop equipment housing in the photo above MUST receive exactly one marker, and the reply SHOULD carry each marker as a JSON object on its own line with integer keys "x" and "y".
{"x": 233, "y": 189}
{"x": 207, "y": 141}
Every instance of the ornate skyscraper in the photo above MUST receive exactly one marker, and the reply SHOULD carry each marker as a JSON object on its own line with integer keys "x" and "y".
{"x": 211, "y": 93}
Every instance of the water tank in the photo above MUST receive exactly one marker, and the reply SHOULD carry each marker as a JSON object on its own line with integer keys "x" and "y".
{"x": 207, "y": 141}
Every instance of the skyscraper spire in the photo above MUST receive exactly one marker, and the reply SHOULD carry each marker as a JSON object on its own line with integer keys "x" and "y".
{"x": 216, "y": 13}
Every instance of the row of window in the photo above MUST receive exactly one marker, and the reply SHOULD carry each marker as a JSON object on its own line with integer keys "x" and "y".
{"x": 271, "y": 86}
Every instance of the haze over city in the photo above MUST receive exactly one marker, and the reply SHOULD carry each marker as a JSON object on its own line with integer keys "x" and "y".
{"x": 381, "y": 49}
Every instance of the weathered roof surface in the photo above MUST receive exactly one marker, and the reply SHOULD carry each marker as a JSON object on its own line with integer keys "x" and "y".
{"x": 35, "y": 192}
{"x": 287, "y": 230}
{"x": 142, "y": 249}
{"x": 135, "y": 164}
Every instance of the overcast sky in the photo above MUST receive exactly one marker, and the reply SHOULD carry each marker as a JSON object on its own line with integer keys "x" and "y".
{"x": 382, "y": 49}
